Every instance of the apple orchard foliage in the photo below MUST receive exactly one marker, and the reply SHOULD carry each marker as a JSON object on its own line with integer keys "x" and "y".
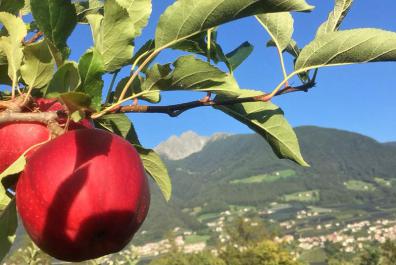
{"x": 48, "y": 102}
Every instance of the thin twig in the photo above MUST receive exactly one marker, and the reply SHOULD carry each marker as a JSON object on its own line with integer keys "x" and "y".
{"x": 34, "y": 38}
{"x": 177, "y": 109}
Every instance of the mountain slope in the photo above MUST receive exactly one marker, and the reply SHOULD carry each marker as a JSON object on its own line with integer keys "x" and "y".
{"x": 221, "y": 173}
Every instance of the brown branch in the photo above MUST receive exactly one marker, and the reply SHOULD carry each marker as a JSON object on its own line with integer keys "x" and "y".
{"x": 43, "y": 117}
{"x": 177, "y": 109}
{"x": 34, "y": 38}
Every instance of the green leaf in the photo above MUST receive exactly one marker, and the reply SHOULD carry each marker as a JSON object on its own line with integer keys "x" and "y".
{"x": 279, "y": 26}
{"x": 186, "y": 18}
{"x": 120, "y": 125}
{"x": 136, "y": 88}
{"x": 11, "y": 6}
{"x": 238, "y": 56}
{"x": 336, "y": 17}
{"x": 88, "y": 8}
{"x": 66, "y": 79}
{"x": 76, "y": 101}
{"x": 267, "y": 119}
{"x": 11, "y": 45}
{"x": 139, "y": 11}
{"x": 348, "y": 47}
{"x": 4, "y": 78}
{"x": 114, "y": 32}
{"x": 91, "y": 69}
{"x": 8, "y": 224}
{"x": 57, "y": 19}
{"x": 156, "y": 168}
{"x": 38, "y": 65}
{"x": 190, "y": 74}
{"x": 15, "y": 168}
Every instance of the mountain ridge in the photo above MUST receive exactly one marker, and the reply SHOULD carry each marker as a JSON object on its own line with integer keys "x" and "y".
{"x": 210, "y": 179}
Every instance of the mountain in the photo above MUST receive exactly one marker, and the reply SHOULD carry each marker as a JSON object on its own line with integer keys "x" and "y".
{"x": 349, "y": 171}
{"x": 391, "y": 143}
{"x": 176, "y": 148}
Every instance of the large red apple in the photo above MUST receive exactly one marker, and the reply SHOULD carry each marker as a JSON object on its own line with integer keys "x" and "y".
{"x": 16, "y": 138}
{"x": 83, "y": 195}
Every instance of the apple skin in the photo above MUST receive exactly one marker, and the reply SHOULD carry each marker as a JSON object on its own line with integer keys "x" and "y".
{"x": 16, "y": 138}
{"x": 83, "y": 195}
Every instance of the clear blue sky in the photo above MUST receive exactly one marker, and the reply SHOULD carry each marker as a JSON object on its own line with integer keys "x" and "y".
{"x": 359, "y": 98}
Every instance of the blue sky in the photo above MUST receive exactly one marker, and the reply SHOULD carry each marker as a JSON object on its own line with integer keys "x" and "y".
{"x": 359, "y": 98}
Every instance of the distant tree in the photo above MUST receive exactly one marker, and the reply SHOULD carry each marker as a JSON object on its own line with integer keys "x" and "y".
{"x": 264, "y": 253}
{"x": 388, "y": 253}
{"x": 371, "y": 256}
{"x": 179, "y": 258}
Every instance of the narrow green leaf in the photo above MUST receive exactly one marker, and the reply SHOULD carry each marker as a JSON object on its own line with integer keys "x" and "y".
{"x": 66, "y": 79}
{"x": 91, "y": 69}
{"x": 336, "y": 17}
{"x": 267, "y": 120}
{"x": 114, "y": 32}
{"x": 186, "y": 18}
{"x": 238, "y": 56}
{"x": 8, "y": 224}
{"x": 279, "y": 26}
{"x": 11, "y": 45}
{"x": 57, "y": 19}
{"x": 190, "y": 74}
{"x": 76, "y": 101}
{"x": 38, "y": 65}
{"x": 156, "y": 168}
{"x": 120, "y": 125}
{"x": 11, "y": 6}
{"x": 348, "y": 47}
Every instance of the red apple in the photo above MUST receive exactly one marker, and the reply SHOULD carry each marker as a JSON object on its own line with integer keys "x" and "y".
{"x": 83, "y": 195}
{"x": 16, "y": 138}
{"x": 52, "y": 104}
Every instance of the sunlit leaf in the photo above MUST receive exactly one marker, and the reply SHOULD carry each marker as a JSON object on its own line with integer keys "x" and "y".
{"x": 186, "y": 18}
{"x": 279, "y": 26}
{"x": 11, "y": 45}
{"x": 157, "y": 170}
{"x": 91, "y": 69}
{"x": 335, "y": 17}
{"x": 114, "y": 32}
{"x": 38, "y": 65}
{"x": 348, "y": 47}
{"x": 267, "y": 119}
{"x": 190, "y": 73}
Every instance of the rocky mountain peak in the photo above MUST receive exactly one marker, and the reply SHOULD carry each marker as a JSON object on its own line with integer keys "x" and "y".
{"x": 188, "y": 143}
